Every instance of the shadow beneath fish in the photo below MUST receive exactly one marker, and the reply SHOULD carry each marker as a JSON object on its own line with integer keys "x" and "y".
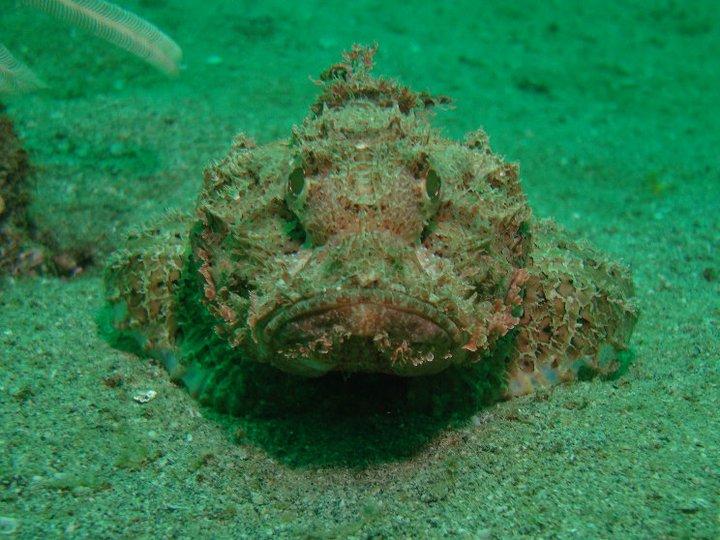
{"x": 348, "y": 420}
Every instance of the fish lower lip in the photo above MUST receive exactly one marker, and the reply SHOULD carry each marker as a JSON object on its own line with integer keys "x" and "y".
{"x": 417, "y": 313}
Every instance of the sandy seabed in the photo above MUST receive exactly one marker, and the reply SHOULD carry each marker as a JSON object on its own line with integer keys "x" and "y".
{"x": 610, "y": 108}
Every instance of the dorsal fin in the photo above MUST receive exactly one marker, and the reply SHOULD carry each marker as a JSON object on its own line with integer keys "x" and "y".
{"x": 352, "y": 80}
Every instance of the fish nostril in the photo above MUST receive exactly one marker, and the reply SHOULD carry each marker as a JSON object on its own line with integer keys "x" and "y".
{"x": 427, "y": 230}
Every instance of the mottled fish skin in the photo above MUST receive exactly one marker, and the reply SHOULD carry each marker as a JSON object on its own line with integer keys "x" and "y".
{"x": 367, "y": 242}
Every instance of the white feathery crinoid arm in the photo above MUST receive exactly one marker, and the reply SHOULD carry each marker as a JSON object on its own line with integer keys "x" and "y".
{"x": 16, "y": 77}
{"x": 119, "y": 27}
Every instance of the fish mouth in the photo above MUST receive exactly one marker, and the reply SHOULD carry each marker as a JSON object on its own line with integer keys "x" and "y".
{"x": 370, "y": 330}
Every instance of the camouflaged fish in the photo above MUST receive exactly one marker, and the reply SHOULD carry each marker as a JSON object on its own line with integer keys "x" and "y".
{"x": 367, "y": 242}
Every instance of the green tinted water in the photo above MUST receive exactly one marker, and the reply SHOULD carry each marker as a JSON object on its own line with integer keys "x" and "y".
{"x": 611, "y": 110}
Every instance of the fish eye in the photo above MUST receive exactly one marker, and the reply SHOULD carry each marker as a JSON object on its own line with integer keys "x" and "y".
{"x": 296, "y": 181}
{"x": 432, "y": 185}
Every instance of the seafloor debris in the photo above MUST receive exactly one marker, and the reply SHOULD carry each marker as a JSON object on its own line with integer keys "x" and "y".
{"x": 23, "y": 249}
{"x": 16, "y": 255}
